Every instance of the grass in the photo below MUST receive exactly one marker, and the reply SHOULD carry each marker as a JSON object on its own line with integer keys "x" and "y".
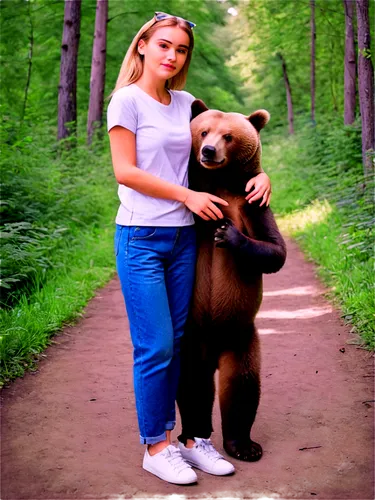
{"x": 57, "y": 300}
{"x": 57, "y": 240}
{"x": 321, "y": 203}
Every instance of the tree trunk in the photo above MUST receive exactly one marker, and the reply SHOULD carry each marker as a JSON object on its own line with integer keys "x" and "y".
{"x": 97, "y": 80}
{"x": 67, "y": 107}
{"x": 313, "y": 37}
{"x": 30, "y": 63}
{"x": 288, "y": 95}
{"x": 366, "y": 86}
{"x": 349, "y": 65}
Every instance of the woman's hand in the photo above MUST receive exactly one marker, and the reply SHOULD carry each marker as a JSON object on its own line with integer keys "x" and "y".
{"x": 262, "y": 189}
{"x": 202, "y": 205}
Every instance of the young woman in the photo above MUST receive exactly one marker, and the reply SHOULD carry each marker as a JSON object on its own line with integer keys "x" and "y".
{"x": 148, "y": 124}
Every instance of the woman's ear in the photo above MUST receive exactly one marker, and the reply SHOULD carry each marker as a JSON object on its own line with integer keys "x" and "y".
{"x": 141, "y": 46}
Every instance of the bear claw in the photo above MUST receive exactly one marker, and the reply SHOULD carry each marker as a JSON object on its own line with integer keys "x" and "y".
{"x": 248, "y": 450}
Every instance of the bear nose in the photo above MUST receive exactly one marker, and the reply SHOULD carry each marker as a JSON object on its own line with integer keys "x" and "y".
{"x": 209, "y": 151}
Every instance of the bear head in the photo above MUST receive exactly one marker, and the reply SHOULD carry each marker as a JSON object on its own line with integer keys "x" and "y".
{"x": 229, "y": 140}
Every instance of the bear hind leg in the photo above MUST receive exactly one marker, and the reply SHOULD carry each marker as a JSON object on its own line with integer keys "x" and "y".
{"x": 239, "y": 393}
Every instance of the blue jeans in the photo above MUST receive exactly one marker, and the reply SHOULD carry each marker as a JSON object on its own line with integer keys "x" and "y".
{"x": 156, "y": 267}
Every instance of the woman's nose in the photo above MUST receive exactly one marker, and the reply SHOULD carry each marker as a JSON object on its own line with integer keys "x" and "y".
{"x": 172, "y": 55}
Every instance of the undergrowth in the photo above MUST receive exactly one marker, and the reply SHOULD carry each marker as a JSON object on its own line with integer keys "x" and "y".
{"x": 58, "y": 210}
{"x": 322, "y": 199}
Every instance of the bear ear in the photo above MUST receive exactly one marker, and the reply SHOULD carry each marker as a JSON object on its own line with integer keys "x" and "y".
{"x": 197, "y": 108}
{"x": 259, "y": 118}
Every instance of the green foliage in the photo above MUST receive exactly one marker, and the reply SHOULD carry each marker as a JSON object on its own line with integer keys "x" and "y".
{"x": 58, "y": 203}
{"x": 321, "y": 200}
{"x": 266, "y": 28}
{"x": 38, "y": 24}
{"x": 207, "y": 70}
{"x": 25, "y": 250}
{"x": 47, "y": 191}
{"x": 47, "y": 198}
{"x": 327, "y": 166}
{"x": 58, "y": 297}
{"x": 58, "y": 209}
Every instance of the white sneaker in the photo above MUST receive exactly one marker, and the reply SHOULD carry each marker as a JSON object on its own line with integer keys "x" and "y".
{"x": 169, "y": 465}
{"x": 204, "y": 456}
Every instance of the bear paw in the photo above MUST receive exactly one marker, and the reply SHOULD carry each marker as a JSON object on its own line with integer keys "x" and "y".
{"x": 246, "y": 450}
{"x": 228, "y": 236}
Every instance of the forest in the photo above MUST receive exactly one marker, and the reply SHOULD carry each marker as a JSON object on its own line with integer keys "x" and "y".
{"x": 308, "y": 62}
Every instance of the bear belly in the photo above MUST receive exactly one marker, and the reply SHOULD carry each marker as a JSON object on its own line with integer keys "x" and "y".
{"x": 236, "y": 292}
{"x": 225, "y": 290}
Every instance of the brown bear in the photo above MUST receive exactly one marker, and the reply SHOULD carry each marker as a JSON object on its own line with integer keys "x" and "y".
{"x": 232, "y": 256}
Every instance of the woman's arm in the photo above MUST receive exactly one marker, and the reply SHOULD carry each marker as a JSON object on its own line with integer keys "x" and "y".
{"x": 123, "y": 150}
{"x": 262, "y": 189}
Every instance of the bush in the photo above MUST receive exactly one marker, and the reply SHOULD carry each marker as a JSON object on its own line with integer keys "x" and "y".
{"x": 321, "y": 199}
{"x": 48, "y": 197}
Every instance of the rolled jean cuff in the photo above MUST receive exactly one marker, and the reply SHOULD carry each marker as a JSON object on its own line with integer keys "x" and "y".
{"x": 169, "y": 426}
{"x": 153, "y": 440}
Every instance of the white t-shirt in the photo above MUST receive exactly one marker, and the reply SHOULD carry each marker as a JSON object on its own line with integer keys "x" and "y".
{"x": 163, "y": 143}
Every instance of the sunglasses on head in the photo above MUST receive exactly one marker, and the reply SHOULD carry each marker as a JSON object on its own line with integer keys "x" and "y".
{"x": 160, "y": 16}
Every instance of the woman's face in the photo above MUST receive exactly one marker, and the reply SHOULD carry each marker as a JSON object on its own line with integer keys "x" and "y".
{"x": 166, "y": 52}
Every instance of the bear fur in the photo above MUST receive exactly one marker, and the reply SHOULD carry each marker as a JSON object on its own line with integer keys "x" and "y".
{"x": 232, "y": 256}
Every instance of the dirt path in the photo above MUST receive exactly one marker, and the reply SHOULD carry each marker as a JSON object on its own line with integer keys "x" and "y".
{"x": 70, "y": 430}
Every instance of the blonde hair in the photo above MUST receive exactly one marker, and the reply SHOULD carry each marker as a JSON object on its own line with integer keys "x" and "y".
{"x": 132, "y": 65}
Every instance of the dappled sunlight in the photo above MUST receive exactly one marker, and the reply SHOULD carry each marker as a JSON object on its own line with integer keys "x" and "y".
{"x": 310, "y": 312}
{"x": 272, "y": 331}
{"x": 267, "y": 331}
{"x": 298, "y": 290}
{"x": 314, "y": 213}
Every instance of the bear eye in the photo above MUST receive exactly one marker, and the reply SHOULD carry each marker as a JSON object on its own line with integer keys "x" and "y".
{"x": 228, "y": 137}
{"x": 204, "y": 133}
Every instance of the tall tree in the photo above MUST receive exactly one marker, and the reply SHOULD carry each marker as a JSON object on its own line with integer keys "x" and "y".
{"x": 349, "y": 65}
{"x": 67, "y": 107}
{"x": 97, "y": 80}
{"x": 312, "y": 77}
{"x": 30, "y": 62}
{"x": 366, "y": 86}
{"x": 288, "y": 94}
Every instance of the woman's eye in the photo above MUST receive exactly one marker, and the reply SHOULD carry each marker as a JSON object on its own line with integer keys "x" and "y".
{"x": 228, "y": 137}
{"x": 204, "y": 134}
{"x": 163, "y": 46}
{"x": 182, "y": 51}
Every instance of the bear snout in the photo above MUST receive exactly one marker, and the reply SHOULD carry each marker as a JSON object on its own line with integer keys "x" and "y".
{"x": 209, "y": 158}
{"x": 208, "y": 152}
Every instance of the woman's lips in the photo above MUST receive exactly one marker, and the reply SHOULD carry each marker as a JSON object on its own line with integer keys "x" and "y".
{"x": 168, "y": 66}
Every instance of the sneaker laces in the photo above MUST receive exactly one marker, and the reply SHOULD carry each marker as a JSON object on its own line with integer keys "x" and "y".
{"x": 206, "y": 446}
{"x": 174, "y": 457}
